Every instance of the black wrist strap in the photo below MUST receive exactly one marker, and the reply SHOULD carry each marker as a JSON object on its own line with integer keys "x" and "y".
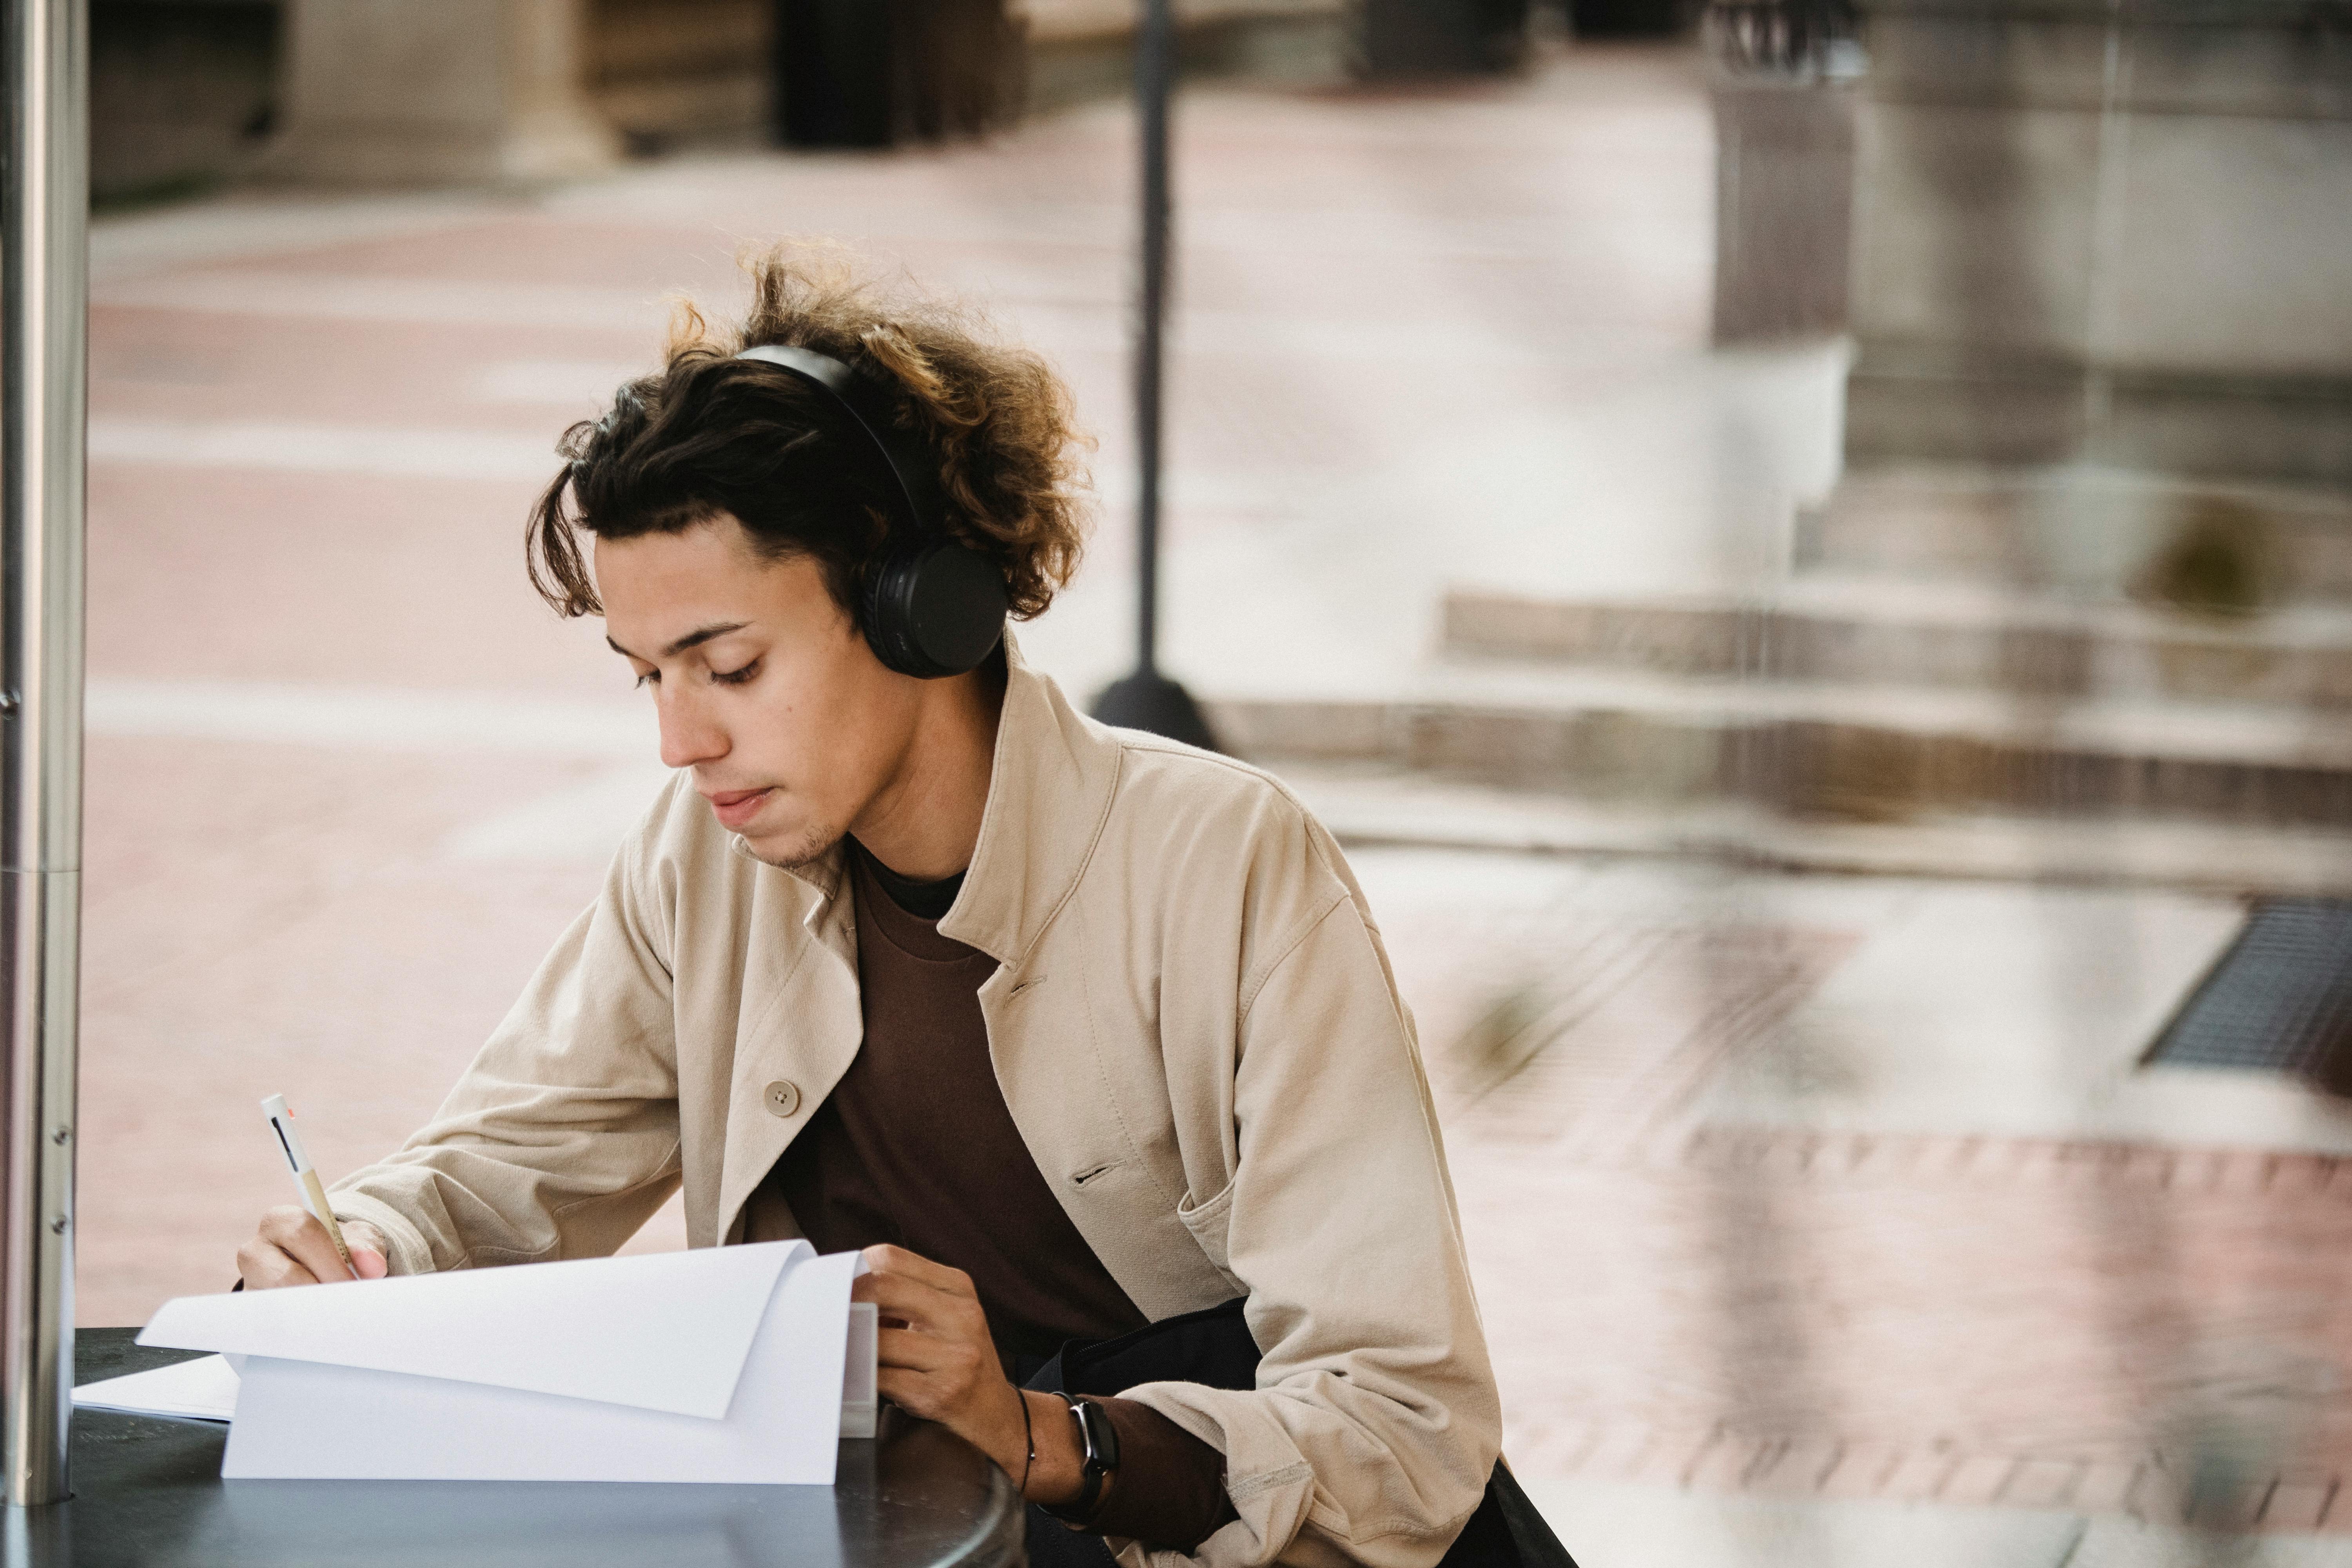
{"x": 1099, "y": 1442}
{"x": 1080, "y": 1511}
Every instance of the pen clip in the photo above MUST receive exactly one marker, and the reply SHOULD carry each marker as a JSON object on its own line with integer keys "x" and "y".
{"x": 281, "y": 1122}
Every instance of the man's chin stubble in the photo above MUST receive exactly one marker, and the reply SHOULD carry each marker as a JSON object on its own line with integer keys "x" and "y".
{"x": 813, "y": 845}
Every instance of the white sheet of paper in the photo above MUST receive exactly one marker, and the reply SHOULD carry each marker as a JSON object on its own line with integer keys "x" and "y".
{"x": 666, "y": 1330}
{"x": 860, "y": 1406}
{"x": 203, "y": 1389}
{"x": 566, "y": 1363}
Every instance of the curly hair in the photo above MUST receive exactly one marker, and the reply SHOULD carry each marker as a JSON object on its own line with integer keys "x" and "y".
{"x": 708, "y": 435}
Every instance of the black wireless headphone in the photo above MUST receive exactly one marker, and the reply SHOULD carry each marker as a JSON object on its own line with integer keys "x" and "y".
{"x": 931, "y": 606}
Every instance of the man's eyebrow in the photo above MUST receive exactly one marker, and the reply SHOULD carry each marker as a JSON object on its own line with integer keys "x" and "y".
{"x": 693, "y": 638}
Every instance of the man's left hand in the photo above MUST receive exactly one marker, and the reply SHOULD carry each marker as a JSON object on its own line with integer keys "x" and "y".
{"x": 937, "y": 1360}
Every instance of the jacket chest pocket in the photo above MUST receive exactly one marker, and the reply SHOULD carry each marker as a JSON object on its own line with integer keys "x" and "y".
{"x": 1207, "y": 1223}
{"x": 1093, "y": 1107}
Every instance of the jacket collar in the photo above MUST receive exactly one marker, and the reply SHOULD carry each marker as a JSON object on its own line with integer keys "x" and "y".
{"x": 1049, "y": 790}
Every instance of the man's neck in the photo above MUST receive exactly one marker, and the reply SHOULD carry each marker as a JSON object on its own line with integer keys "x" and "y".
{"x": 925, "y": 823}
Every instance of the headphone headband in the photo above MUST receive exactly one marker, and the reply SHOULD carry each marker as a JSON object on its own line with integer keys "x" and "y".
{"x": 904, "y": 455}
{"x": 931, "y": 606}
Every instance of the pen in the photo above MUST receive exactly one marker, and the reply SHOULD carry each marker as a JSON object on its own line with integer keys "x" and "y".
{"x": 314, "y": 1195}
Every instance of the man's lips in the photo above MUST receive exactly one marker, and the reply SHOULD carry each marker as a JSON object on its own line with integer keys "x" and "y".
{"x": 734, "y": 807}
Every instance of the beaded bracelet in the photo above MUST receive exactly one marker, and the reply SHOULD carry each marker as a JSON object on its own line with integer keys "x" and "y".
{"x": 1029, "y": 1435}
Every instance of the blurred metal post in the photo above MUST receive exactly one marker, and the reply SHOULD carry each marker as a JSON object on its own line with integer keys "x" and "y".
{"x": 44, "y": 290}
{"x": 1782, "y": 74}
{"x": 1148, "y": 699}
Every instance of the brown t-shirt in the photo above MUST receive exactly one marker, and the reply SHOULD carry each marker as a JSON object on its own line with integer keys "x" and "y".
{"x": 916, "y": 1147}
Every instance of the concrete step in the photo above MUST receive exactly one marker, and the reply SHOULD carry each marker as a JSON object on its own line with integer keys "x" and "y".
{"x": 1848, "y": 628}
{"x": 1857, "y": 753}
{"x": 2087, "y": 533}
{"x": 1369, "y": 803}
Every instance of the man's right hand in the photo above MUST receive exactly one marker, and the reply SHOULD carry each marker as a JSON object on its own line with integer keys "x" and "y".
{"x": 293, "y": 1248}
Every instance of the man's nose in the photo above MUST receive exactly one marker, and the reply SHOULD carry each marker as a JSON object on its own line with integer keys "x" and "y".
{"x": 688, "y": 738}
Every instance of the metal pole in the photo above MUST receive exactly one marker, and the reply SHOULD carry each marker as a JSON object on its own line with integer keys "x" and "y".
{"x": 44, "y": 290}
{"x": 1148, "y": 699}
{"x": 1155, "y": 70}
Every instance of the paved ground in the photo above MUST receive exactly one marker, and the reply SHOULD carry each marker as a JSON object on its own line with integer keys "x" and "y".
{"x": 1816, "y": 1220}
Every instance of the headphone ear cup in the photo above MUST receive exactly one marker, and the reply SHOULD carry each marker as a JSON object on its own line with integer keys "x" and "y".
{"x": 933, "y": 609}
{"x": 872, "y": 619}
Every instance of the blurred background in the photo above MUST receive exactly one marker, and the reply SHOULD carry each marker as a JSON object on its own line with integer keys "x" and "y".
{"x": 1805, "y": 549}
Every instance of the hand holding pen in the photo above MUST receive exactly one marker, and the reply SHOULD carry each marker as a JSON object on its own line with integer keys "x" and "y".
{"x": 306, "y": 1245}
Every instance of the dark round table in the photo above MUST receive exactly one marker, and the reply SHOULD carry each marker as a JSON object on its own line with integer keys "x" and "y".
{"x": 148, "y": 1493}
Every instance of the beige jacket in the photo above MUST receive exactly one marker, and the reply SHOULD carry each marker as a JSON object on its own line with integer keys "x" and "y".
{"x": 1195, "y": 1026}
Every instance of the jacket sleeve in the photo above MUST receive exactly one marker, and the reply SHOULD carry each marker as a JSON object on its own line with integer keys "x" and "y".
{"x": 1375, "y": 1422}
{"x": 562, "y": 1138}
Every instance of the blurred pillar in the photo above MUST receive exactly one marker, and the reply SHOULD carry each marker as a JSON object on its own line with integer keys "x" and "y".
{"x": 876, "y": 73}
{"x": 44, "y": 405}
{"x": 438, "y": 91}
{"x": 2118, "y": 235}
{"x": 668, "y": 73}
{"x": 1782, "y": 84}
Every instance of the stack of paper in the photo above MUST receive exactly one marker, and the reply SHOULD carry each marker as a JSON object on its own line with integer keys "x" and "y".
{"x": 203, "y": 1389}
{"x": 734, "y": 1363}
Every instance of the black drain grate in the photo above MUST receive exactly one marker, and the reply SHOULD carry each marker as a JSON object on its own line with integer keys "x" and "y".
{"x": 2279, "y": 1001}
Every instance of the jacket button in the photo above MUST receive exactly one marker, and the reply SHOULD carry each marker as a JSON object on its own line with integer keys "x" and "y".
{"x": 783, "y": 1099}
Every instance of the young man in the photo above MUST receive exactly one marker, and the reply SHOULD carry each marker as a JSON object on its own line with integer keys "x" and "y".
{"x": 1075, "y": 1030}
